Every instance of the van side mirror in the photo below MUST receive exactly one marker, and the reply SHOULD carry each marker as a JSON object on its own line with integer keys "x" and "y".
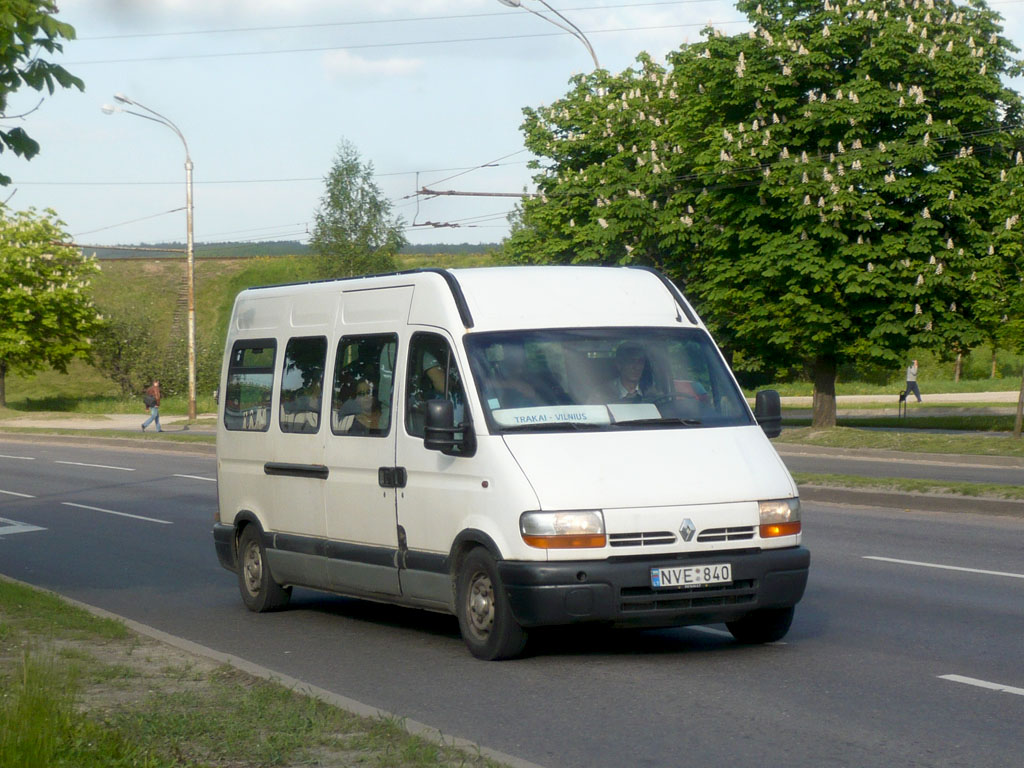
{"x": 441, "y": 434}
{"x": 768, "y": 412}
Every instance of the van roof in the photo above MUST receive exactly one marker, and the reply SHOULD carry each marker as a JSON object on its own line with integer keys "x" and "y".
{"x": 568, "y": 296}
{"x": 501, "y": 298}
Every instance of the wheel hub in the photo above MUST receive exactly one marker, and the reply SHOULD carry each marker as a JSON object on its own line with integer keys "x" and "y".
{"x": 253, "y": 570}
{"x": 481, "y": 604}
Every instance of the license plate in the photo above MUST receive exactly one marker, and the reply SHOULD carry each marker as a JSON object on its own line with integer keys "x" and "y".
{"x": 691, "y": 576}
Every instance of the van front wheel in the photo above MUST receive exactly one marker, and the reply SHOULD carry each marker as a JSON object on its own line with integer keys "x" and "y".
{"x": 488, "y": 627}
{"x": 764, "y": 626}
{"x": 260, "y": 592}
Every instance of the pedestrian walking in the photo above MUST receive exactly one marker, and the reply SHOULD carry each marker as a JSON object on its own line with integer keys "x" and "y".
{"x": 912, "y": 381}
{"x": 151, "y": 399}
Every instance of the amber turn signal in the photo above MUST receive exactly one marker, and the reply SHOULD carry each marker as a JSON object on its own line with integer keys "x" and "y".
{"x": 584, "y": 541}
{"x": 772, "y": 530}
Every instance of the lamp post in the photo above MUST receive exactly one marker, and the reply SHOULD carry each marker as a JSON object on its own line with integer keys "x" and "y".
{"x": 568, "y": 26}
{"x": 190, "y": 278}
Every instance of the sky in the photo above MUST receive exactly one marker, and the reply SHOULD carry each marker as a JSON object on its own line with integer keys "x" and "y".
{"x": 430, "y": 92}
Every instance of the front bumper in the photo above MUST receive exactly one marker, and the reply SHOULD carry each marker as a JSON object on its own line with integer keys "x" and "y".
{"x": 618, "y": 591}
{"x": 224, "y": 542}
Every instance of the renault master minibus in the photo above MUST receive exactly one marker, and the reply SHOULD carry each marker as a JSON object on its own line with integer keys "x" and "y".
{"x": 521, "y": 447}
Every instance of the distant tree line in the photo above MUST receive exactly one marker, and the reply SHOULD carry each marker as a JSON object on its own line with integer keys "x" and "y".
{"x": 248, "y": 250}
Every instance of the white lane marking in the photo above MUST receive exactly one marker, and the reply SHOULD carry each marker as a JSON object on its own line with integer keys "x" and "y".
{"x": 9, "y": 527}
{"x": 19, "y": 458}
{"x": 15, "y": 493}
{"x": 97, "y": 466}
{"x": 112, "y": 512}
{"x": 711, "y": 631}
{"x": 197, "y": 477}
{"x": 721, "y": 633}
{"x": 983, "y": 684}
{"x": 946, "y": 567}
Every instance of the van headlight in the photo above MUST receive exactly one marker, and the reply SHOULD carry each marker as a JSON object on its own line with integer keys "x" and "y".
{"x": 577, "y": 529}
{"x": 780, "y": 517}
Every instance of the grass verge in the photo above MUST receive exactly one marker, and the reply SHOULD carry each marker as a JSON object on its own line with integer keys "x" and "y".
{"x": 83, "y": 691}
{"x": 911, "y": 485}
{"x": 910, "y": 440}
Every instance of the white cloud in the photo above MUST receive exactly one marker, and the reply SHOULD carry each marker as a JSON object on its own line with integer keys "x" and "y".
{"x": 344, "y": 64}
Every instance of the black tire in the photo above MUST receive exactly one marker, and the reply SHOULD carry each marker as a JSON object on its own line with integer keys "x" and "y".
{"x": 764, "y": 626}
{"x": 260, "y": 592}
{"x": 488, "y": 627}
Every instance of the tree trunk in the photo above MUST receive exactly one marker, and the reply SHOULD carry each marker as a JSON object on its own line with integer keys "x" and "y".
{"x": 824, "y": 373}
{"x": 3, "y": 384}
{"x": 959, "y": 366}
{"x": 1020, "y": 410}
{"x": 994, "y": 367}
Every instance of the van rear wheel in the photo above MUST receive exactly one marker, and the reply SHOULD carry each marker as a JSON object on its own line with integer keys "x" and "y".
{"x": 488, "y": 627}
{"x": 260, "y": 592}
{"x": 764, "y": 626}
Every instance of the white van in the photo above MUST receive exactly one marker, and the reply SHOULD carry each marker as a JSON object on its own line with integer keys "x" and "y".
{"x": 518, "y": 446}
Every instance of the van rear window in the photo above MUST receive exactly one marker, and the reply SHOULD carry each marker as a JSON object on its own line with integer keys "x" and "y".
{"x": 250, "y": 385}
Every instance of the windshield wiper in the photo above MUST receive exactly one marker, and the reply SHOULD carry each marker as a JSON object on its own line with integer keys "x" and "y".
{"x": 549, "y": 426}
{"x": 659, "y": 422}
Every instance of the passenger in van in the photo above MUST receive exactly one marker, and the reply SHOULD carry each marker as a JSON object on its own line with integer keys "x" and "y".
{"x": 434, "y": 373}
{"x": 517, "y": 387}
{"x": 632, "y": 373}
{"x": 360, "y": 411}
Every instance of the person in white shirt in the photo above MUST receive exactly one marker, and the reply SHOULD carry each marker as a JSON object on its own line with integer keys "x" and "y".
{"x": 912, "y": 380}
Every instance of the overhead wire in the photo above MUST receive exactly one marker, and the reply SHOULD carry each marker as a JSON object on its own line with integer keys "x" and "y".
{"x": 367, "y": 22}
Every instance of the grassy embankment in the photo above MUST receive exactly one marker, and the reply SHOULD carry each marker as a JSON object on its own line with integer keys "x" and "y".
{"x": 86, "y": 692}
{"x": 128, "y": 285}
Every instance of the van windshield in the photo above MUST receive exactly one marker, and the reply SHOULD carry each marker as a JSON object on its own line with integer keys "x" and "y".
{"x": 603, "y": 378}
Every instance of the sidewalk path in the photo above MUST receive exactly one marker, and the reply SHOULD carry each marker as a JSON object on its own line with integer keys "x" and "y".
{"x": 951, "y": 398}
{"x": 117, "y": 421}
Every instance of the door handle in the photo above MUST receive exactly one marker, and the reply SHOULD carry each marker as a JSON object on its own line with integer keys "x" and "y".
{"x": 392, "y": 477}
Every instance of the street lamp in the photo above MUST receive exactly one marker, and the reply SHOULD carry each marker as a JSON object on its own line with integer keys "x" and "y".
{"x": 568, "y": 26}
{"x": 190, "y": 277}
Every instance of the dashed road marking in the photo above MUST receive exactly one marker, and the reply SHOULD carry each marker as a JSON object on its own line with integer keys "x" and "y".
{"x": 983, "y": 684}
{"x": 113, "y": 512}
{"x": 946, "y": 567}
{"x": 97, "y": 466}
{"x": 19, "y": 458}
{"x": 19, "y": 495}
{"x": 197, "y": 477}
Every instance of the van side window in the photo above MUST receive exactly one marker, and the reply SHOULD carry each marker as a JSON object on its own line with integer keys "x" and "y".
{"x": 249, "y": 385}
{"x": 432, "y": 374}
{"x": 302, "y": 383}
{"x": 363, "y": 384}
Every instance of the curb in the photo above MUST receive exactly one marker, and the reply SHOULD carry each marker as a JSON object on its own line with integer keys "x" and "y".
{"x": 926, "y": 502}
{"x": 334, "y": 699}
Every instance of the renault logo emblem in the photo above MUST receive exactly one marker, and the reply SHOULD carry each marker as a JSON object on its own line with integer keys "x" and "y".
{"x": 688, "y": 529}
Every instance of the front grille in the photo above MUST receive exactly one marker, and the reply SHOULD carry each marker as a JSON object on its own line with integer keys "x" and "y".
{"x": 642, "y": 539}
{"x": 633, "y": 599}
{"x": 743, "y": 533}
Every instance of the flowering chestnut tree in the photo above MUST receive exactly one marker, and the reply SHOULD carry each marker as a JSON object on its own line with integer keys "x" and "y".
{"x": 46, "y": 313}
{"x": 823, "y": 185}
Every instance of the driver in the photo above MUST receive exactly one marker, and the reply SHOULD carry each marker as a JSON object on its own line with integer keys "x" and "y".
{"x": 630, "y": 363}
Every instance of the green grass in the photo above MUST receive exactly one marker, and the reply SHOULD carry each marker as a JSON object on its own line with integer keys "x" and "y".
{"x": 78, "y": 691}
{"x": 911, "y": 485}
{"x": 907, "y": 440}
{"x": 968, "y": 422}
{"x": 152, "y": 287}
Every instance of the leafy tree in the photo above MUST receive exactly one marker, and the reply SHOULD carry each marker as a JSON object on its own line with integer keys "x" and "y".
{"x": 354, "y": 232}
{"x": 1004, "y": 307}
{"x": 822, "y": 184}
{"x": 46, "y": 313}
{"x": 121, "y": 349}
{"x": 27, "y": 28}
